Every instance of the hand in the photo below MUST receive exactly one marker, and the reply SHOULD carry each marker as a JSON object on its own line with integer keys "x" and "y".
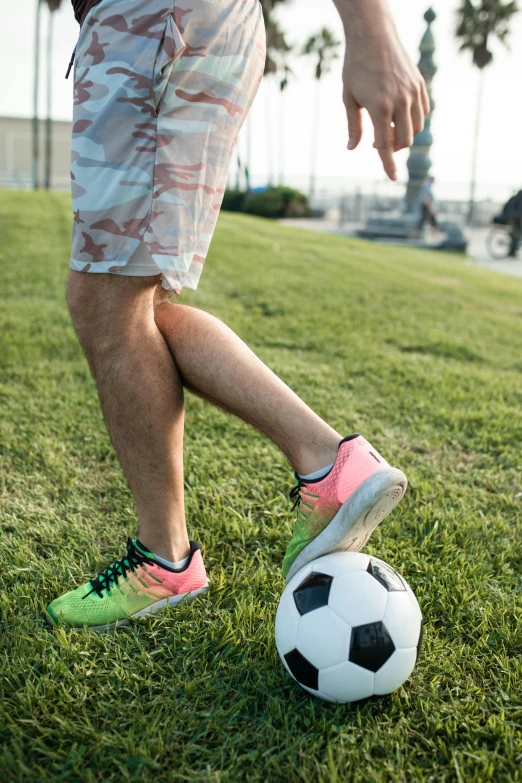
{"x": 379, "y": 76}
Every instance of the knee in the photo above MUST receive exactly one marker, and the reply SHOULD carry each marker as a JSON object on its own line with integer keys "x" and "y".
{"x": 167, "y": 312}
{"x": 90, "y": 299}
{"x": 80, "y": 304}
{"x": 161, "y": 297}
{"x": 105, "y": 308}
{"x": 72, "y": 293}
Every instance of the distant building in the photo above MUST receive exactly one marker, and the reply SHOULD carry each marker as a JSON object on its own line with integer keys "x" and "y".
{"x": 16, "y": 159}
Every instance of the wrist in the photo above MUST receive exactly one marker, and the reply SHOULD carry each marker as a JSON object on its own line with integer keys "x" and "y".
{"x": 365, "y": 18}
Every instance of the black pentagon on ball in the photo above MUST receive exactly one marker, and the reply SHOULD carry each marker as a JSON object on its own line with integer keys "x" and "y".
{"x": 385, "y": 574}
{"x": 313, "y": 593}
{"x": 370, "y": 646}
{"x": 304, "y": 672}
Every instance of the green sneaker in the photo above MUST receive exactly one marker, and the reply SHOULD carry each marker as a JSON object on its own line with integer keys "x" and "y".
{"x": 341, "y": 510}
{"x": 132, "y": 586}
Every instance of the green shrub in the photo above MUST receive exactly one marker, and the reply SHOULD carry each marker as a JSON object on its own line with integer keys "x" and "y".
{"x": 277, "y": 202}
{"x": 233, "y": 200}
{"x": 267, "y": 204}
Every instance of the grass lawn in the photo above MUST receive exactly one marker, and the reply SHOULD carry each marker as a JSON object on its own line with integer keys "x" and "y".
{"x": 416, "y": 350}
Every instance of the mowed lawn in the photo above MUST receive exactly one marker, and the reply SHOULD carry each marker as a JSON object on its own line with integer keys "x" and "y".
{"x": 419, "y": 352}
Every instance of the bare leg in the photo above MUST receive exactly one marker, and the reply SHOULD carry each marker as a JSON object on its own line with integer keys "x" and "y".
{"x": 216, "y": 364}
{"x": 141, "y": 396}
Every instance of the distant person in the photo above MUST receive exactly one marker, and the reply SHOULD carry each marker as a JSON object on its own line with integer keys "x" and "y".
{"x": 511, "y": 215}
{"x": 427, "y": 208}
{"x": 161, "y": 91}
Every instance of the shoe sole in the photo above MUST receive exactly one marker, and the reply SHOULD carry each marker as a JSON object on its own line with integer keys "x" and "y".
{"x": 357, "y": 518}
{"x": 172, "y": 600}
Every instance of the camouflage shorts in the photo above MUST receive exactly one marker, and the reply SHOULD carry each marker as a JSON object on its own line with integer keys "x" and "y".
{"x": 161, "y": 89}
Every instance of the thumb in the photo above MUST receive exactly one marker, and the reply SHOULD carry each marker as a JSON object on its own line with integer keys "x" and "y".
{"x": 354, "y": 115}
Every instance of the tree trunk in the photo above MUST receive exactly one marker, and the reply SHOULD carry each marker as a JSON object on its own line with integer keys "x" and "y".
{"x": 48, "y": 124}
{"x": 248, "y": 165}
{"x": 473, "y": 182}
{"x": 282, "y": 138}
{"x": 315, "y": 140}
{"x": 36, "y": 151}
{"x": 238, "y": 168}
{"x": 269, "y": 129}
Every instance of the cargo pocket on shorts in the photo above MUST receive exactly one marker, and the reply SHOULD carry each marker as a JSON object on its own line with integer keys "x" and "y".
{"x": 170, "y": 49}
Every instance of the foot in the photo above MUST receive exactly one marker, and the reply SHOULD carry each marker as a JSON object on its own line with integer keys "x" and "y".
{"x": 130, "y": 587}
{"x": 340, "y": 511}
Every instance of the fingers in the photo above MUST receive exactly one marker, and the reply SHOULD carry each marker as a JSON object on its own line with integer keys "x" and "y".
{"x": 406, "y": 111}
{"x": 402, "y": 120}
{"x": 417, "y": 116}
{"x": 420, "y": 108}
{"x": 384, "y": 137}
{"x": 354, "y": 115}
{"x": 425, "y": 98}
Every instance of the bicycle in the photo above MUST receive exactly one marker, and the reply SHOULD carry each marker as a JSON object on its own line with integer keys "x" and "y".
{"x": 499, "y": 242}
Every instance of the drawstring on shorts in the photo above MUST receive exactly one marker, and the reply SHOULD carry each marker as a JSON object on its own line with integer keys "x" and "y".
{"x": 71, "y": 63}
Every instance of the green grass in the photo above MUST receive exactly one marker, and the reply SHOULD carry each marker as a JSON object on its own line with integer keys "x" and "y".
{"x": 418, "y": 351}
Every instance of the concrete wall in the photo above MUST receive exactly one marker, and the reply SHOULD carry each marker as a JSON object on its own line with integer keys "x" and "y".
{"x": 16, "y": 153}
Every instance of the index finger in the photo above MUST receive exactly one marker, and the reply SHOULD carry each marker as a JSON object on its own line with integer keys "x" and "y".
{"x": 384, "y": 140}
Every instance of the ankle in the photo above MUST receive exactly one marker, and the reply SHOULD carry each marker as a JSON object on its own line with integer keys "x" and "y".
{"x": 308, "y": 462}
{"x": 172, "y": 550}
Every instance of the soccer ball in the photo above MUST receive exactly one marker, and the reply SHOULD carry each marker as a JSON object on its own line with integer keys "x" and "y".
{"x": 348, "y": 627}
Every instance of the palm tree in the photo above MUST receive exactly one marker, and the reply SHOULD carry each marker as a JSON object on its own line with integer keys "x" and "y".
{"x": 275, "y": 37}
{"x": 277, "y": 50}
{"x": 53, "y": 5}
{"x": 477, "y": 24}
{"x": 324, "y": 47}
{"x": 283, "y": 84}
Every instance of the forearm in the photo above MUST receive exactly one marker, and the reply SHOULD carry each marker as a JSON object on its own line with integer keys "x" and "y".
{"x": 364, "y": 19}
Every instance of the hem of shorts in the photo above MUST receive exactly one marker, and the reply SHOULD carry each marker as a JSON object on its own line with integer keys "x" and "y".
{"x": 179, "y": 286}
{"x": 147, "y": 272}
{"x": 138, "y": 271}
{"x": 151, "y": 270}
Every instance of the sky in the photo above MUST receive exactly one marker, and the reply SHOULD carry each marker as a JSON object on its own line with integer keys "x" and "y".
{"x": 455, "y": 88}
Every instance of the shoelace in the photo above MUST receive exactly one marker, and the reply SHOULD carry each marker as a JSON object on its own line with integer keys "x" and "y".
{"x": 296, "y": 493}
{"x": 111, "y": 575}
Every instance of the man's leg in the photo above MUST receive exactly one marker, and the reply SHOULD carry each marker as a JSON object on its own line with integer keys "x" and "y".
{"x": 351, "y": 487}
{"x": 515, "y": 234}
{"x": 217, "y": 365}
{"x": 434, "y": 223}
{"x": 518, "y": 233}
{"x": 141, "y": 396}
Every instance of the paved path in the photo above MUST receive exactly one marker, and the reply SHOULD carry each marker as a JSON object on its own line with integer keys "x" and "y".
{"x": 477, "y": 252}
